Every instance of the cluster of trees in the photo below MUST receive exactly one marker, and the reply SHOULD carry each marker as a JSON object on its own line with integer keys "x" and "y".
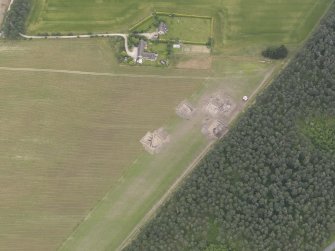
{"x": 117, "y": 43}
{"x": 321, "y": 131}
{"x": 266, "y": 186}
{"x": 15, "y": 21}
{"x": 275, "y": 52}
{"x": 210, "y": 42}
{"x": 134, "y": 39}
{"x": 157, "y": 20}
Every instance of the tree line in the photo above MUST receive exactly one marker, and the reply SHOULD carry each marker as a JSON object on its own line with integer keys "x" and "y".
{"x": 15, "y": 20}
{"x": 270, "y": 183}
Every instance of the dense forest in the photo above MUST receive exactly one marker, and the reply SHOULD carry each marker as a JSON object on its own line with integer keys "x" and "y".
{"x": 270, "y": 183}
{"x": 15, "y": 21}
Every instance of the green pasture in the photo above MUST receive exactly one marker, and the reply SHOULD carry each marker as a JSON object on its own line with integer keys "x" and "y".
{"x": 181, "y": 28}
{"x": 188, "y": 29}
{"x": 237, "y": 23}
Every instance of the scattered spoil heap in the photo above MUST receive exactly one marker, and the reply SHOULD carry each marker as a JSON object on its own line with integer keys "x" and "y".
{"x": 217, "y": 105}
{"x": 185, "y": 110}
{"x": 154, "y": 141}
{"x": 213, "y": 128}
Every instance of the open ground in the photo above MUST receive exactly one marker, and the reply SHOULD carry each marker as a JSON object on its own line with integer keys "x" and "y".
{"x": 74, "y": 173}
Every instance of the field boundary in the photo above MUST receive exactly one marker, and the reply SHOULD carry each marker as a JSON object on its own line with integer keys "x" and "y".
{"x": 167, "y": 14}
{"x": 140, "y": 23}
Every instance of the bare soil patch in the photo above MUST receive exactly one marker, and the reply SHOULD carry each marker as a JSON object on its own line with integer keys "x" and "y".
{"x": 199, "y": 63}
{"x": 196, "y": 49}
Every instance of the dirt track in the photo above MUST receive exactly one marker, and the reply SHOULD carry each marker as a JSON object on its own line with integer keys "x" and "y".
{"x": 105, "y": 73}
{"x": 330, "y": 247}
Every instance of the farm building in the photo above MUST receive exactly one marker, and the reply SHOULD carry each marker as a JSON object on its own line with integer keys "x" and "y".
{"x": 185, "y": 110}
{"x": 213, "y": 128}
{"x": 154, "y": 141}
{"x": 162, "y": 28}
{"x": 216, "y": 105}
{"x": 142, "y": 54}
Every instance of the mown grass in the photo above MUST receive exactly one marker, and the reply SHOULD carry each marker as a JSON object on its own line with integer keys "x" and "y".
{"x": 236, "y": 23}
{"x": 188, "y": 29}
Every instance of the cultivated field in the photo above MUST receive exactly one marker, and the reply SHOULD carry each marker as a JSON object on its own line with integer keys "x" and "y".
{"x": 73, "y": 169}
{"x": 65, "y": 140}
{"x": 70, "y": 138}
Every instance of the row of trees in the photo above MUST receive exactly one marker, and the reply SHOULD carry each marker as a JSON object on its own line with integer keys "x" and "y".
{"x": 275, "y": 52}
{"x": 15, "y": 21}
{"x": 268, "y": 185}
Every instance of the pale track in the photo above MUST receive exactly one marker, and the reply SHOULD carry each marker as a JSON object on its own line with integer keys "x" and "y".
{"x": 19, "y": 69}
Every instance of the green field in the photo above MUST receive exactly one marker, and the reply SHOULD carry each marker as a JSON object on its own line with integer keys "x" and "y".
{"x": 236, "y": 22}
{"x": 72, "y": 153}
{"x": 190, "y": 29}
{"x": 181, "y": 28}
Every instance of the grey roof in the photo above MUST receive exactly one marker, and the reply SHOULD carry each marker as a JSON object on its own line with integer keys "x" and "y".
{"x": 141, "y": 47}
{"x": 144, "y": 54}
{"x": 149, "y": 55}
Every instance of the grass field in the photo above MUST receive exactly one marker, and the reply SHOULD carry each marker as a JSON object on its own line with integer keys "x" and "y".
{"x": 236, "y": 22}
{"x": 190, "y": 29}
{"x": 71, "y": 140}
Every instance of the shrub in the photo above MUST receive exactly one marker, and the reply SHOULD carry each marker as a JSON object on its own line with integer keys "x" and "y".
{"x": 275, "y": 52}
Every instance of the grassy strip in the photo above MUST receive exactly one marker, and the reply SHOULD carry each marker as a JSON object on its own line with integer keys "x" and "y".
{"x": 181, "y": 15}
{"x": 140, "y": 23}
{"x": 181, "y": 41}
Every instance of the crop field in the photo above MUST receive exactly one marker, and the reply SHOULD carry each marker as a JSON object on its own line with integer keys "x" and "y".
{"x": 71, "y": 138}
{"x": 71, "y": 117}
{"x": 67, "y": 140}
